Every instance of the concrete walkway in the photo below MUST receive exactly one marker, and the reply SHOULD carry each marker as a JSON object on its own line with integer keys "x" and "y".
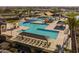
{"x": 51, "y": 26}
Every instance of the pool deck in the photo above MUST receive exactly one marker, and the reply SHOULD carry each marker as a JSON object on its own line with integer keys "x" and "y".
{"x": 14, "y": 31}
{"x": 50, "y": 49}
{"x": 51, "y": 25}
{"x": 61, "y": 36}
{"x": 59, "y": 41}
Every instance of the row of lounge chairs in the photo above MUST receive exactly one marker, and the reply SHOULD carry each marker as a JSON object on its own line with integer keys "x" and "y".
{"x": 33, "y": 42}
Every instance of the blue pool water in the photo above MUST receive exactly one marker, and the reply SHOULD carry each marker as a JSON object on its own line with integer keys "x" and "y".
{"x": 39, "y": 29}
{"x": 59, "y": 27}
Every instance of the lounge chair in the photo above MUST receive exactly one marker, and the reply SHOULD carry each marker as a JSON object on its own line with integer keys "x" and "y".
{"x": 41, "y": 43}
{"x": 48, "y": 44}
{"x": 17, "y": 38}
{"x": 24, "y": 40}
{"x": 37, "y": 42}
{"x": 45, "y": 44}
{"x": 34, "y": 42}
{"x": 31, "y": 41}
{"x": 28, "y": 40}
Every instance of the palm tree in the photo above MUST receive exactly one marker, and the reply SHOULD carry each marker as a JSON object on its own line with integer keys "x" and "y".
{"x": 73, "y": 23}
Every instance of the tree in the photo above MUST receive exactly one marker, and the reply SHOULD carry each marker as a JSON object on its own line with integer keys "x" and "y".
{"x": 73, "y": 23}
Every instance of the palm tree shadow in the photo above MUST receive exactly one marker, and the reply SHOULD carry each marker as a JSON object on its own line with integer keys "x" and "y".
{"x": 58, "y": 48}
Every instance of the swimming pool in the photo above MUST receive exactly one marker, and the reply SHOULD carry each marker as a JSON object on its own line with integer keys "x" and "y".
{"x": 60, "y": 27}
{"x": 39, "y": 29}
